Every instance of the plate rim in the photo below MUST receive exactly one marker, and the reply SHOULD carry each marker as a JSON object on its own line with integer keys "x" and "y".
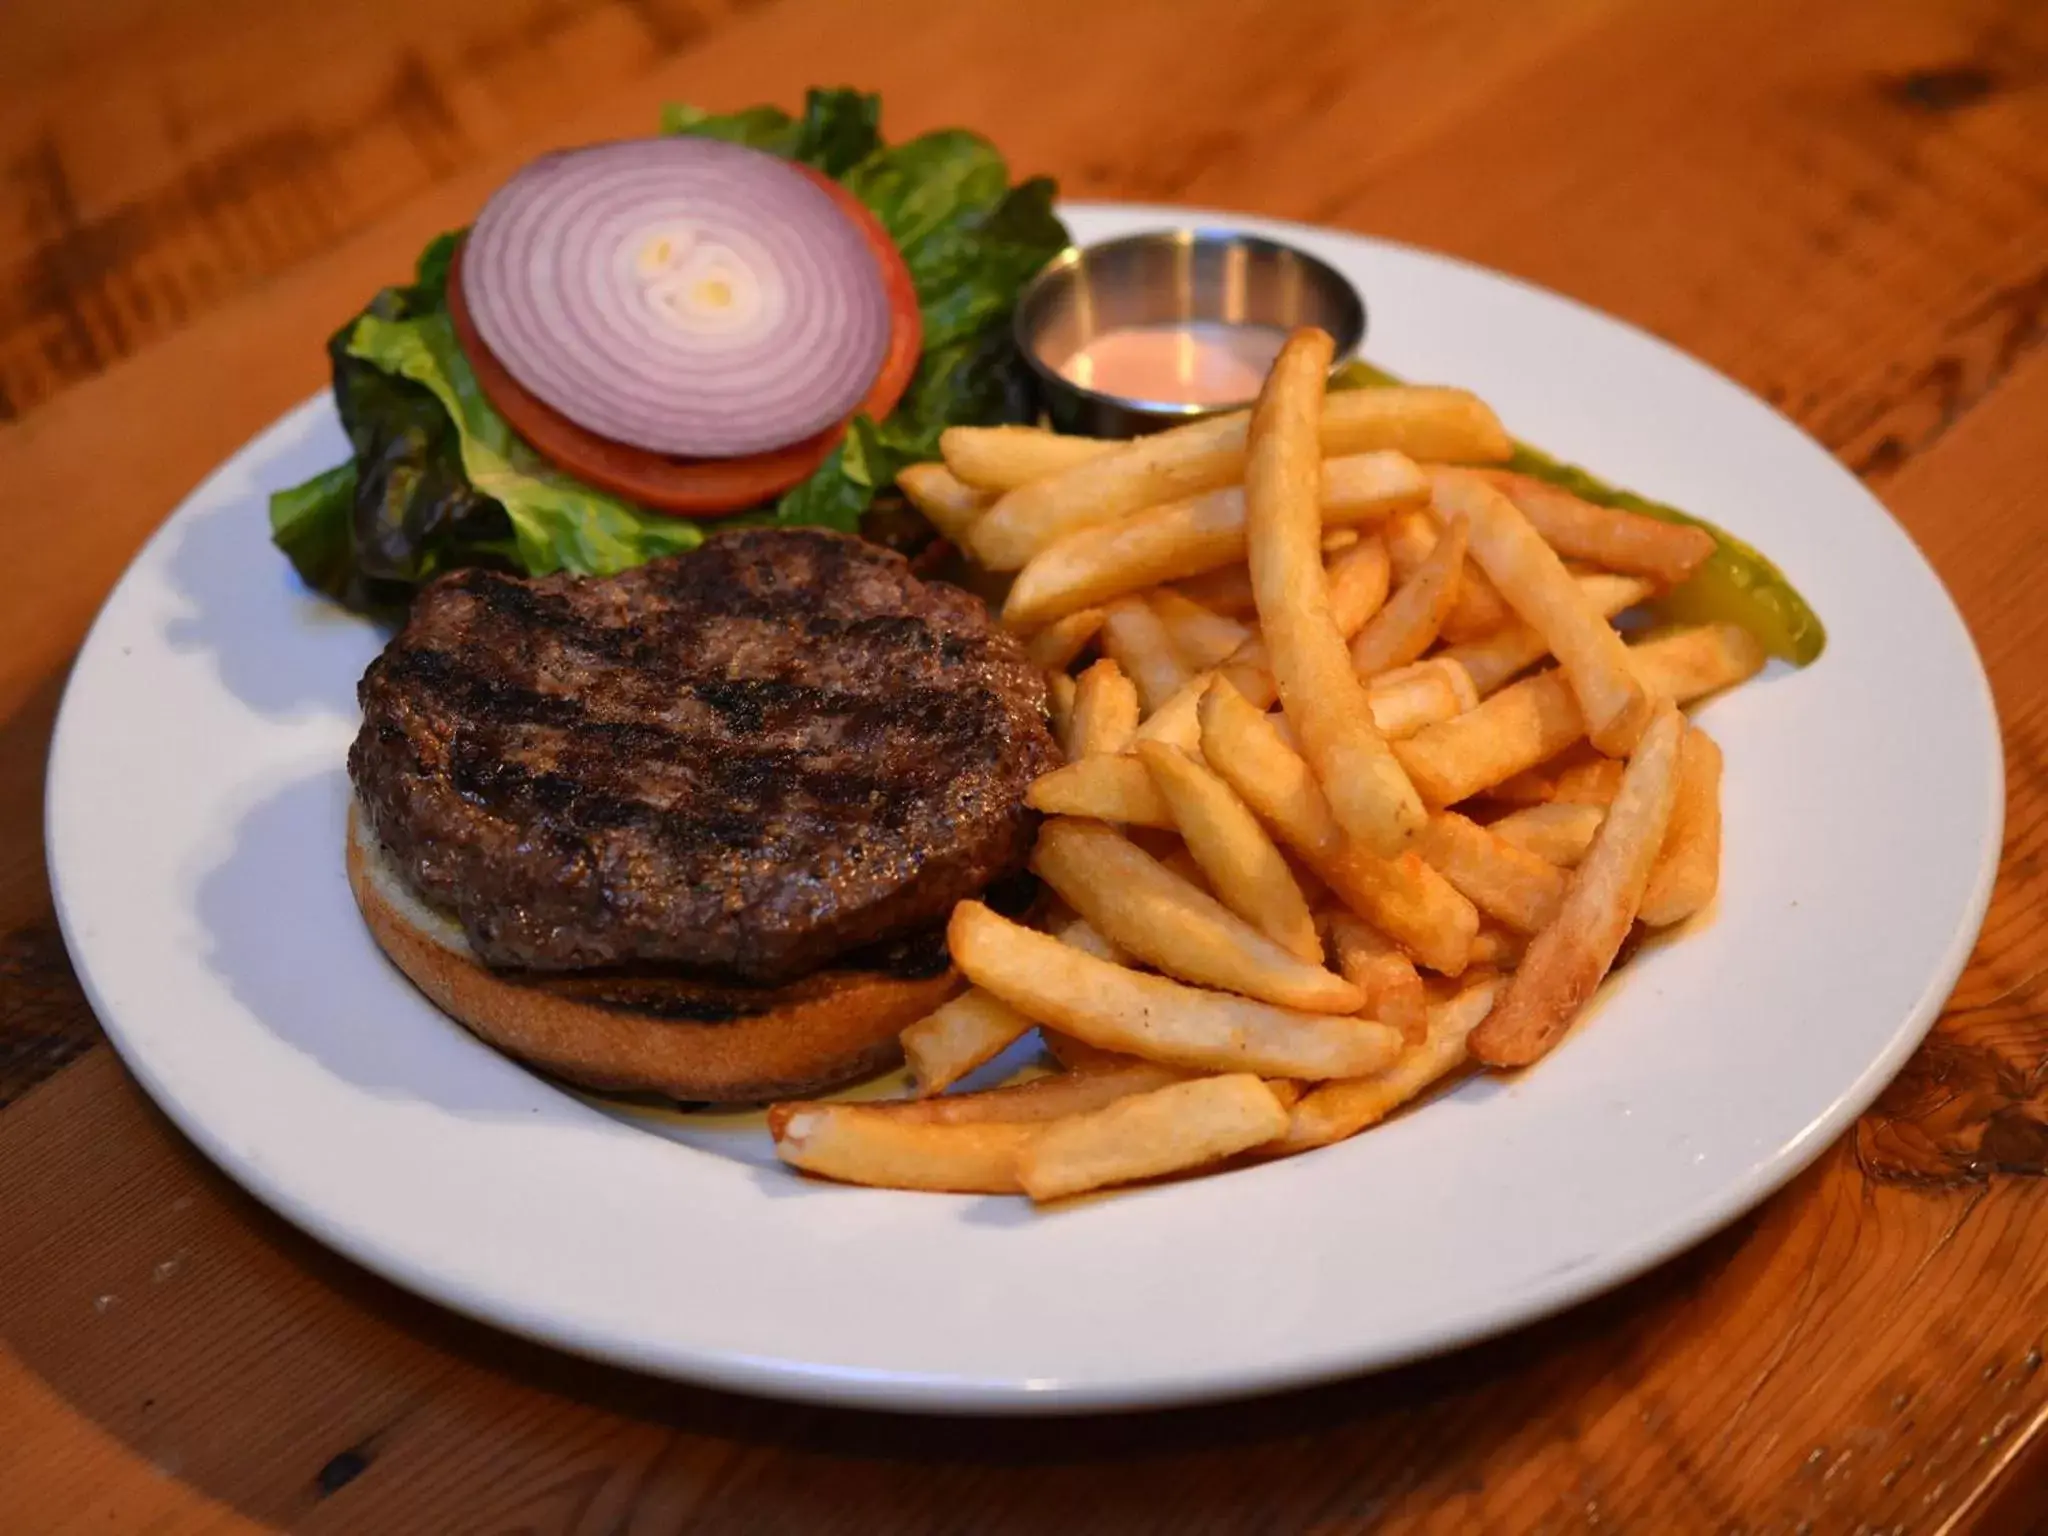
{"x": 920, "y": 1392}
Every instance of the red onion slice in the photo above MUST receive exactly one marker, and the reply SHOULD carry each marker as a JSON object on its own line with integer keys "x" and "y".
{"x": 685, "y": 296}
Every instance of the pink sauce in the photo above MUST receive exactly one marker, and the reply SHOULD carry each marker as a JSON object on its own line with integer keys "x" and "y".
{"x": 1192, "y": 363}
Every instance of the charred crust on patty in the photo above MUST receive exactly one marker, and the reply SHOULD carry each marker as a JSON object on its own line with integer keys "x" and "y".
{"x": 756, "y": 759}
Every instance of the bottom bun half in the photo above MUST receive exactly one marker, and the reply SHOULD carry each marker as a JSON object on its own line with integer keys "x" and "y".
{"x": 662, "y": 1033}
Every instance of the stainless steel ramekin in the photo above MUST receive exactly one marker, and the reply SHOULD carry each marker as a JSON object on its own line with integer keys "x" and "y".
{"x": 1211, "y": 275}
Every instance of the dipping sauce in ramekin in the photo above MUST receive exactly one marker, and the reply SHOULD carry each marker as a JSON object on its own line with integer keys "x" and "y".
{"x": 1199, "y": 362}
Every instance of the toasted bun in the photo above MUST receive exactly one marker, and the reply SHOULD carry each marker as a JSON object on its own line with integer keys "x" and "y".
{"x": 690, "y": 1039}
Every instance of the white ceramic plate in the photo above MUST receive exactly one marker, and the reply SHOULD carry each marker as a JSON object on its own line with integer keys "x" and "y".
{"x": 195, "y": 833}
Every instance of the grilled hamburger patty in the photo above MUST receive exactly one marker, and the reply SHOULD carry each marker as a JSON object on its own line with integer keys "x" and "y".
{"x": 756, "y": 757}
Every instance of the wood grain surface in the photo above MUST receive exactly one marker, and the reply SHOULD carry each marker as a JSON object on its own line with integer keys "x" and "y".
{"x": 1843, "y": 204}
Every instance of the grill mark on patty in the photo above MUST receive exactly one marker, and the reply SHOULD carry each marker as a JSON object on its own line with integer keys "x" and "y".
{"x": 758, "y": 798}
{"x": 461, "y": 684}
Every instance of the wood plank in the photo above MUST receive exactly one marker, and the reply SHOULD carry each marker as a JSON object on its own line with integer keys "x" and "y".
{"x": 45, "y": 1023}
{"x": 170, "y": 1309}
{"x": 159, "y": 161}
{"x": 1845, "y": 206}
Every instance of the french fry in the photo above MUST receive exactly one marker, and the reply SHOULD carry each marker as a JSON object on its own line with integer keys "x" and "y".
{"x": 1517, "y": 728}
{"x": 1494, "y": 948}
{"x": 1242, "y": 865}
{"x": 1443, "y": 425}
{"x": 1557, "y": 834}
{"x": 1200, "y": 638}
{"x": 1177, "y": 722}
{"x": 1409, "y": 536}
{"x": 1105, "y": 714}
{"x": 1003, "y": 458}
{"x": 1283, "y": 733}
{"x": 1181, "y": 539}
{"x": 1688, "y": 867}
{"x": 1408, "y": 624}
{"x": 1531, "y": 786}
{"x": 1059, "y": 704}
{"x": 863, "y": 1144}
{"x": 1542, "y": 592}
{"x": 1335, "y": 1111}
{"x": 1041, "y": 1098}
{"x": 1163, "y": 920}
{"x": 1594, "y": 782}
{"x": 1376, "y": 965}
{"x": 1080, "y": 1060}
{"x": 1367, "y": 789}
{"x": 1462, "y": 686}
{"x": 1169, "y": 1130}
{"x": 1628, "y": 542}
{"x": 1493, "y": 659}
{"x": 1285, "y": 1090}
{"x": 1358, "y": 577}
{"x": 1516, "y": 888}
{"x": 1076, "y": 932}
{"x": 1476, "y": 608}
{"x": 1337, "y": 539}
{"x": 1158, "y": 842}
{"x": 947, "y": 504}
{"x": 1105, "y": 788}
{"x": 1404, "y": 898}
{"x": 1228, "y": 590}
{"x": 1169, "y": 466}
{"x": 956, "y": 1037}
{"x": 1133, "y": 636}
{"x": 1689, "y": 664}
{"x": 1183, "y": 863}
{"x": 1077, "y": 1056}
{"x": 1566, "y": 961}
{"x": 1152, "y": 1016}
{"x": 1251, "y": 674}
{"x": 1410, "y": 698}
{"x": 1532, "y": 721}
{"x": 1439, "y": 424}
{"x": 1055, "y": 646}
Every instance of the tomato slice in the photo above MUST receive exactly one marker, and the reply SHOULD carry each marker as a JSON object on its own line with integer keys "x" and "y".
{"x": 702, "y": 487}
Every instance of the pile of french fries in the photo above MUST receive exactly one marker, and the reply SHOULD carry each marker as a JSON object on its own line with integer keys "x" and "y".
{"x": 1272, "y": 926}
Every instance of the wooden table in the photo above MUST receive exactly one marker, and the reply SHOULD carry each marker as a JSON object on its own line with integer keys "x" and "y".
{"x": 1844, "y": 204}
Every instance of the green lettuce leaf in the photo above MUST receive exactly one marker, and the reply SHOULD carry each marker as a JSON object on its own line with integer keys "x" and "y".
{"x": 832, "y": 497}
{"x": 1737, "y": 584}
{"x": 311, "y": 524}
{"x": 838, "y": 130}
{"x": 558, "y": 523}
{"x": 414, "y": 512}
